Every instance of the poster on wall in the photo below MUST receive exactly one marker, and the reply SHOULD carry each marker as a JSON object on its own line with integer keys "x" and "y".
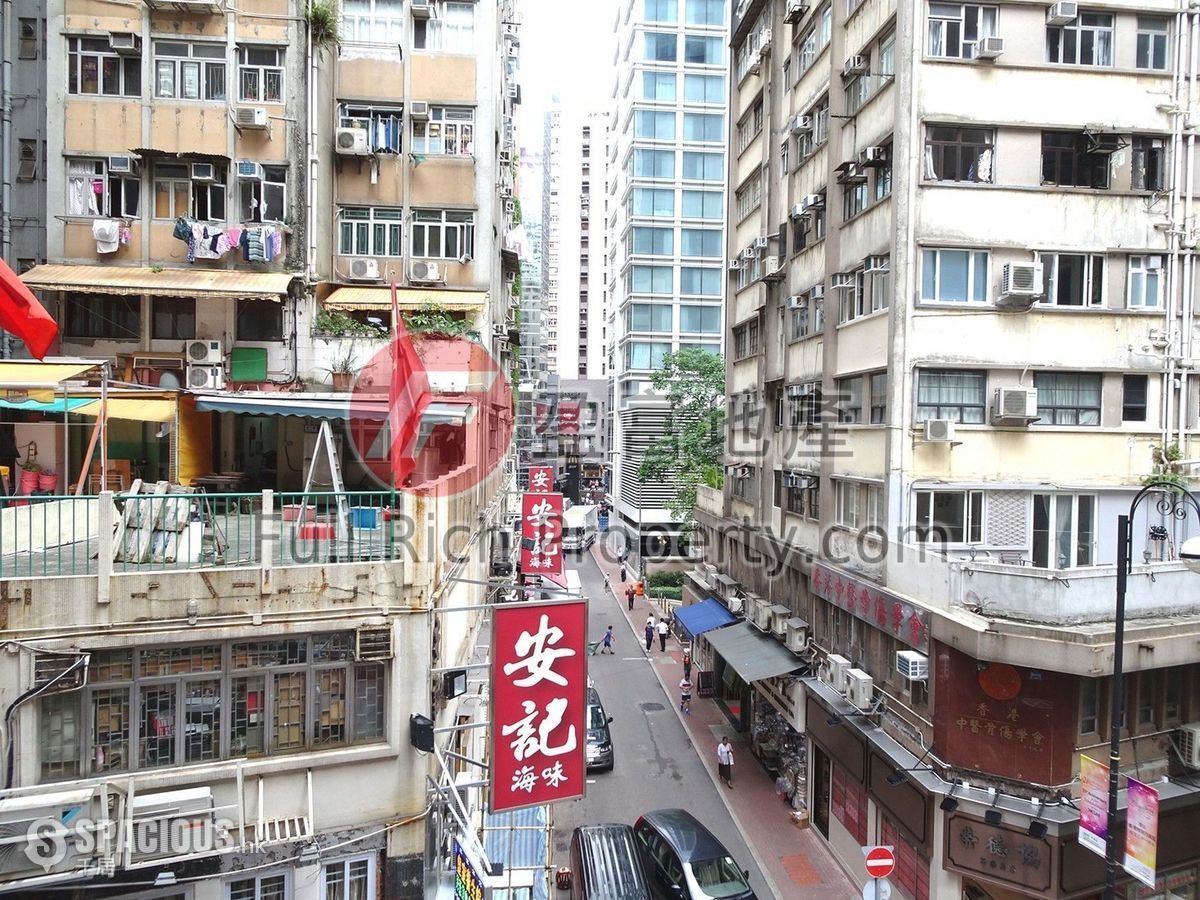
{"x": 1093, "y": 804}
{"x": 1141, "y": 831}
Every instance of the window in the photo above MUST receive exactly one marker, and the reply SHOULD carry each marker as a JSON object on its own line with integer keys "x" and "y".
{"x": 93, "y": 67}
{"x": 451, "y": 31}
{"x": 849, "y": 400}
{"x": 703, "y": 166}
{"x": 349, "y": 879}
{"x": 1145, "y": 282}
{"x": 1073, "y": 279}
{"x": 708, "y": 51}
{"x": 847, "y": 503}
{"x": 1152, "y": 35}
{"x": 878, "y": 386}
{"x": 259, "y": 320}
{"x": 699, "y": 319}
{"x": 804, "y": 403}
{"x": 704, "y": 12}
{"x": 700, "y": 242}
{"x": 384, "y": 125}
{"x": 27, "y": 30}
{"x": 264, "y": 887}
{"x": 1064, "y": 530}
{"x": 1147, "y": 697}
{"x": 952, "y": 517}
{"x": 883, "y": 176}
{"x": 661, "y": 46}
{"x": 653, "y": 241}
{"x": 189, "y": 71}
{"x": 954, "y": 276}
{"x": 703, "y": 204}
{"x": 658, "y": 86}
{"x": 857, "y": 91}
{"x": 92, "y": 192}
{"x": 173, "y": 318}
{"x": 59, "y": 732}
{"x": 800, "y": 493}
{"x": 1086, "y": 41}
{"x": 103, "y": 316}
{"x": 1068, "y": 398}
{"x": 443, "y": 234}
{"x": 648, "y": 317}
{"x": 748, "y": 196}
{"x": 265, "y": 199}
{"x": 854, "y": 200}
{"x": 850, "y": 286}
{"x": 1149, "y": 163}
{"x": 750, "y": 125}
{"x": 886, "y": 64}
{"x": 1089, "y": 706}
{"x": 372, "y": 21}
{"x": 703, "y": 88}
{"x": 654, "y": 163}
{"x": 1068, "y": 159}
{"x": 703, "y": 127}
{"x": 260, "y": 74}
{"x": 645, "y": 355}
{"x": 450, "y": 131}
{"x": 178, "y": 194}
{"x": 661, "y": 11}
{"x": 959, "y": 395}
{"x": 955, "y": 29}
{"x": 370, "y": 231}
{"x": 701, "y": 282}
{"x": 879, "y": 284}
{"x": 651, "y": 280}
{"x": 653, "y": 202}
{"x": 815, "y": 41}
{"x": 654, "y": 125}
{"x": 958, "y": 154}
{"x": 1133, "y": 398}
{"x": 1173, "y": 695}
{"x": 745, "y": 339}
{"x": 743, "y": 483}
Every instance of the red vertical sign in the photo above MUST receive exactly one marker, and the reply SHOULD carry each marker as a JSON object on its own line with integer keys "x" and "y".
{"x": 541, "y": 479}
{"x": 541, "y": 535}
{"x": 539, "y": 699}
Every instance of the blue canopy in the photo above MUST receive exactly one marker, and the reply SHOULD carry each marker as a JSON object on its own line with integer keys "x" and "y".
{"x": 57, "y": 405}
{"x": 703, "y": 616}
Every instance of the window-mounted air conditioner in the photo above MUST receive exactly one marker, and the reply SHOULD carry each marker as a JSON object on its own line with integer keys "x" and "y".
{"x": 158, "y": 815}
{"x": 513, "y": 90}
{"x": 203, "y": 352}
{"x": 204, "y": 172}
{"x": 833, "y": 672}
{"x": 505, "y": 191}
{"x": 418, "y": 109}
{"x": 816, "y": 292}
{"x": 748, "y": 254}
{"x": 351, "y": 142}
{"x": 873, "y": 156}
{"x": 989, "y": 47}
{"x": 422, "y": 9}
{"x": 122, "y": 165}
{"x": 795, "y": 11}
{"x": 842, "y": 280}
{"x": 762, "y": 242}
{"x": 860, "y": 689}
{"x": 1189, "y": 744}
{"x": 1061, "y": 13}
{"x": 772, "y": 268}
{"x": 756, "y": 63}
{"x": 422, "y": 271}
{"x": 22, "y": 825}
{"x": 510, "y": 208}
{"x": 911, "y": 665}
{"x": 372, "y": 642}
{"x": 504, "y": 157}
{"x": 764, "y": 42}
{"x": 796, "y": 301}
{"x": 779, "y": 616}
{"x": 1020, "y": 284}
{"x": 813, "y": 201}
{"x": 249, "y": 169}
{"x": 801, "y": 124}
{"x": 250, "y": 117}
{"x": 735, "y": 265}
{"x": 797, "y": 212}
{"x": 736, "y": 605}
{"x": 364, "y": 269}
{"x": 797, "y": 634}
{"x": 125, "y": 43}
{"x": 206, "y": 378}
{"x": 856, "y": 65}
{"x": 761, "y": 609}
{"x": 1015, "y": 406}
{"x": 939, "y": 431}
{"x": 851, "y": 173}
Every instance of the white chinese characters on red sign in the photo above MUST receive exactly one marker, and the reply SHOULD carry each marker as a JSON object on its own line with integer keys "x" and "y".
{"x": 541, "y": 535}
{"x": 541, "y": 479}
{"x": 539, "y": 685}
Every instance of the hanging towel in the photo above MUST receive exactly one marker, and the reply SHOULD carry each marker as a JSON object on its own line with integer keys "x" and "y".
{"x": 235, "y": 236}
{"x": 275, "y": 243}
{"x": 256, "y": 248}
{"x": 107, "y": 233}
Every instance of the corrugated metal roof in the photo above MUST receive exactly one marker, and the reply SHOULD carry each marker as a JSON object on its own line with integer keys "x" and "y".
{"x": 204, "y": 283}
{"x": 362, "y": 297}
{"x": 518, "y": 839}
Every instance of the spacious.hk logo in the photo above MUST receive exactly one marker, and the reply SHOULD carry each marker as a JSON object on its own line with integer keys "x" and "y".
{"x": 431, "y": 412}
{"x": 51, "y": 842}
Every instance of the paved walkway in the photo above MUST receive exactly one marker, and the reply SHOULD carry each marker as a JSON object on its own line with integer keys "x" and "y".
{"x": 795, "y": 861}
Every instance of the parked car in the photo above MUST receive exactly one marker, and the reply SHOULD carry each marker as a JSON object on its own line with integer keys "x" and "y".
{"x": 599, "y": 740}
{"x": 606, "y": 865}
{"x": 685, "y": 861}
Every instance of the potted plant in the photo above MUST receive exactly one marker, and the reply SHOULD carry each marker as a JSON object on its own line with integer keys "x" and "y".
{"x": 342, "y": 370}
{"x": 29, "y": 476}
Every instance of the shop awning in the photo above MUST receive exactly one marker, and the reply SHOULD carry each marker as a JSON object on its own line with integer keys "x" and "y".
{"x": 129, "y": 409}
{"x": 703, "y": 616}
{"x": 292, "y": 405}
{"x": 18, "y": 373}
{"x": 59, "y": 405}
{"x": 213, "y": 284}
{"x": 752, "y": 654}
{"x": 380, "y": 298}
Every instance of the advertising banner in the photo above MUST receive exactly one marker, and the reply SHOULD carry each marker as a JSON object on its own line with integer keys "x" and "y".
{"x": 541, "y": 535}
{"x": 541, "y": 479}
{"x": 1141, "y": 831}
{"x": 1093, "y": 804}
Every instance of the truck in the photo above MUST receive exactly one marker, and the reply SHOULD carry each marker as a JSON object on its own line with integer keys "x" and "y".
{"x": 580, "y": 524}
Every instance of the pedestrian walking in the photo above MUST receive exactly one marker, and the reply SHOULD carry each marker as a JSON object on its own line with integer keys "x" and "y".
{"x": 608, "y": 640}
{"x": 650, "y": 621}
{"x": 649, "y": 636}
{"x": 685, "y": 695}
{"x": 622, "y": 574}
{"x": 725, "y": 762}
{"x": 629, "y": 595}
{"x": 687, "y": 665}
{"x": 663, "y": 630}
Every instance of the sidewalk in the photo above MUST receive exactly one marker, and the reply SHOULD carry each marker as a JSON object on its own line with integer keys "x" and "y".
{"x": 794, "y": 861}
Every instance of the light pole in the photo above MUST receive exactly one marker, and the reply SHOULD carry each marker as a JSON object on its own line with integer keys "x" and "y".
{"x": 1172, "y": 502}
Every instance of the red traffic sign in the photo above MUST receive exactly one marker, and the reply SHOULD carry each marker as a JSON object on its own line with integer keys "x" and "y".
{"x": 880, "y": 862}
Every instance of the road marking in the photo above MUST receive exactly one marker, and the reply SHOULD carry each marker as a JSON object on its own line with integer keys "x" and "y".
{"x": 591, "y": 781}
{"x": 634, "y": 658}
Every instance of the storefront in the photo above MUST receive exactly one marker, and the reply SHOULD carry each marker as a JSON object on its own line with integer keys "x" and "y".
{"x": 741, "y": 655}
{"x": 777, "y": 737}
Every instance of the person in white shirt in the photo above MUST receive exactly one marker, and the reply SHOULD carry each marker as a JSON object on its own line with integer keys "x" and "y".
{"x": 663, "y": 630}
{"x": 725, "y": 761}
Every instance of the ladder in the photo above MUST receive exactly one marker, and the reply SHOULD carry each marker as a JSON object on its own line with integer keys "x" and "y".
{"x": 325, "y": 442}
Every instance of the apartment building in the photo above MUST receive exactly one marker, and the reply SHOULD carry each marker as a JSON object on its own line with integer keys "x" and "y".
{"x": 228, "y": 195}
{"x": 959, "y": 301}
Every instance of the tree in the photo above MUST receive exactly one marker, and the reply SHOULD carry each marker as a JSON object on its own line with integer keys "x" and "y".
{"x": 692, "y": 448}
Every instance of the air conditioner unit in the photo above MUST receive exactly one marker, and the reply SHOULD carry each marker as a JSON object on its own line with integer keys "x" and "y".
{"x": 513, "y": 90}
{"x": 772, "y": 268}
{"x": 764, "y": 41}
{"x": 364, "y": 269}
{"x": 797, "y": 634}
{"x": 843, "y": 280}
{"x": 748, "y": 254}
{"x": 500, "y": 330}
{"x": 1020, "y": 283}
{"x": 504, "y": 157}
{"x": 762, "y": 242}
{"x": 911, "y": 665}
{"x": 204, "y": 172}
{"x": 939, "y": 431}
{"x": 1189, "y": 744}
{"x": 761, "y": 610}
{"x": 206, "y": 378}
{"x": 21, "y": 815}
{"x": 856, "y": 65}
{"x": 505, "y": 191}
{"x": 250, "y": 117}
{"x": 834, "y": 672}
{"x": 860, "y": 689}
{"x": 373, "y": 642}
{"x": 801, "y": 124}
{"x": 795, "y": 11}
{"x": 1152, "y": 263}
{"x": 756, "y": 64}
{"x": 203, "y": 353}
{"x": 352, "y": 142}
{"x": 126, "y": 43}
{"x": 735, "y": 604}
{"x": 250, "y": 169}
{"x": 1015, "y": 406}
{"x": 118, "y": 165}
{"x": 796, "y": 301}
{"x": 424, "y": 272}
{"x": 816, "y": 292}
{"x": 989, "y": 47}
{"x": 779, "y": 617}
{"x": 797, "y": 212}
{"x": 735, "y": 265}
{"x": 159, "y": 817}
{"x": 1062, "y": 13}
{"x": 418, "y": 109}
{"x": 851, "y": 173}
{"x": 813, "y": 201}
{"x": 510, "y": 208}
{"x": 873, "y": 156}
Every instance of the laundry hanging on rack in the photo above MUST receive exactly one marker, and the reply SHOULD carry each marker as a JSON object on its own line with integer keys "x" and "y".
{"x": 107, "y": 234}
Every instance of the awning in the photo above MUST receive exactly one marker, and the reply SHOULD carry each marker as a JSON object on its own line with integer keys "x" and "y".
{"x": 380, "y": 298}
{"x": 17, "y": 373}
{"x": 703, "y": 616}
{"x": 60, "y": 405}
{"x": 213, "y": 284}
{"x": 130, "y": 410}
{"x": 752, "y": 654}
{"x": 292, "y": 405}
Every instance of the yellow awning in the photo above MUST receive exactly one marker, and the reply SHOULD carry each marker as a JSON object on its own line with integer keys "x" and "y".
{"x": 380, "y": 298}
{"x": 16, "y": 373}
{"x": 132, "y": 410}
{"x": 204, "y": 283}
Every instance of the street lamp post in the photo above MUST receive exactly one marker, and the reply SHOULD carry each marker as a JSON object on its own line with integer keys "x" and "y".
{"x": 1172, "y": 502}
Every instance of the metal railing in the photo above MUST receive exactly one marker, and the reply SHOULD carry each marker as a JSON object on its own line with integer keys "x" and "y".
{"x": 55, "y": 536}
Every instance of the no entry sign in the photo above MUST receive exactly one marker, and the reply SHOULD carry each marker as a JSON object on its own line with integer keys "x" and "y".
{"x": 880, "y": 862}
